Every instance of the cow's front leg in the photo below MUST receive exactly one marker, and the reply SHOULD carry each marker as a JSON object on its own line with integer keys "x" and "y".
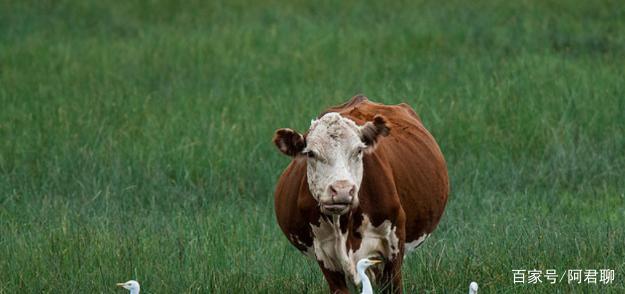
{"x": 391, "y": 275}
{"x": 336, "y": 280}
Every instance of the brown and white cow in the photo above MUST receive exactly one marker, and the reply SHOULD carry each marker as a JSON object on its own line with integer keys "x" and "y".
{"x": 366, "y": 180}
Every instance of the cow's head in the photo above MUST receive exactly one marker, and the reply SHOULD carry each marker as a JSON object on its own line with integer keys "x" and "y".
{"x": 334, "y": 147}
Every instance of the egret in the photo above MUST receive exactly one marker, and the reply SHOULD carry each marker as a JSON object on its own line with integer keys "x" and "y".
{"x": 473, "y": 288}
{"x": 131, "y": 285}
{"x": 361, "y": 267}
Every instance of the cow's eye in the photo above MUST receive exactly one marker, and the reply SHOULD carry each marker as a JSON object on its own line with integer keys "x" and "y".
{"x": 310, "y": 154}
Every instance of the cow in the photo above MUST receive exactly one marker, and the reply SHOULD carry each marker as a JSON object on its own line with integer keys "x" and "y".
{"x": 367, "y": 180}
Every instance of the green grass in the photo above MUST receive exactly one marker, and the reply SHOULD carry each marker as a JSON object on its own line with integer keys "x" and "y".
{"x": 135, "y": 138}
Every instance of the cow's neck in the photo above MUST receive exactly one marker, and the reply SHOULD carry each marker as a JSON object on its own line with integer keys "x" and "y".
{"x": 340, "y": 243}
{"x": 331, "y": 243}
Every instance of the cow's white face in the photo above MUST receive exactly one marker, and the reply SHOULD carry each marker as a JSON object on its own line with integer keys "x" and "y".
{"x": 334, "y": 147}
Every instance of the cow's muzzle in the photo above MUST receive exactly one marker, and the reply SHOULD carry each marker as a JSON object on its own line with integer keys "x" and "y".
{"x": 342, "y": 194}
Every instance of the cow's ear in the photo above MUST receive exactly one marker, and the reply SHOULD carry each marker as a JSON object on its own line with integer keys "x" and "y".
{"x": 289, "y": 141}
{"x": 371, "y": 131}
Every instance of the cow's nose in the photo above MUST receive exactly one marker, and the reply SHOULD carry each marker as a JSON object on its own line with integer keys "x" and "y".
{"x": 342, "y": 191}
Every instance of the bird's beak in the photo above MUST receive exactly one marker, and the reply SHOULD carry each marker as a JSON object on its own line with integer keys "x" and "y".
{"x": 120, "y": 284}
{"x": 374, "y": 261}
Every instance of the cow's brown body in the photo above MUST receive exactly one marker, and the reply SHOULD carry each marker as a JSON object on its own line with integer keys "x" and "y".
{"x": 405, "y": 182}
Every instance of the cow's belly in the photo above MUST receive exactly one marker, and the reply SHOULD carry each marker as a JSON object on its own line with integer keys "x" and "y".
{"x": 330, "y": 245}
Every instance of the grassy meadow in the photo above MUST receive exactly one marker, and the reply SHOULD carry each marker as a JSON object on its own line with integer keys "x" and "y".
{"x": 135, "y": 137}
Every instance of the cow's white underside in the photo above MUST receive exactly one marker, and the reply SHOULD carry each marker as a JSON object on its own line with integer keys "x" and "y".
{"x": 410, "y": 246}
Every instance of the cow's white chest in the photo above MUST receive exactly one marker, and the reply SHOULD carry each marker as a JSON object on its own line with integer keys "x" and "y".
{"x": 330, "y": 245}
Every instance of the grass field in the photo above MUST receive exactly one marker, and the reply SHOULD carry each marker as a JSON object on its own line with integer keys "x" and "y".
{"x": 135, "y": 138}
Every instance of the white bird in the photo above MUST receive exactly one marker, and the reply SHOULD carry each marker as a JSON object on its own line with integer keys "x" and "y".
{"x": 361, "y": 267}
{"x": 473, "y": 288}
{"x": 131, "y": 285}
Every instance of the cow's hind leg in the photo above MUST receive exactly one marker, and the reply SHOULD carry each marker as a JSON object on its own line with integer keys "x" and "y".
{"x": 336, "y": 280}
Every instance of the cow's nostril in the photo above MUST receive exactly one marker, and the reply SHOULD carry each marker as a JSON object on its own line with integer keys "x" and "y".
{"x": 352, "y": 191}
{"x": 332, "y": 190}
